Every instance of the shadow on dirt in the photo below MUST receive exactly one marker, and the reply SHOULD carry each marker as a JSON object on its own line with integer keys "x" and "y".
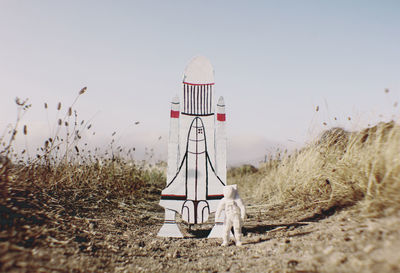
{"x": 199, "y": 233}
{"x": 322, "y": 215}
{"x": 261, "y": 229}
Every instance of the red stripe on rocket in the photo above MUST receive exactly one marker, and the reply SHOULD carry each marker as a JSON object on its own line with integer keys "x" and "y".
{"x": 174, "y": 114}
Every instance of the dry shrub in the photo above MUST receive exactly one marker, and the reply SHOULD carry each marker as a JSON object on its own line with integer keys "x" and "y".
{"x": 115, "y": 177}
{"x": 340, "y": 169}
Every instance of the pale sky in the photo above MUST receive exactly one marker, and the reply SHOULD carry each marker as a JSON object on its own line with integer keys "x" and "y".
{"x": 274, "y": 62}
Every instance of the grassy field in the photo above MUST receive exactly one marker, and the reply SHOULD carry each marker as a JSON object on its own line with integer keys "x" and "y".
{"x": 332, "y": 206}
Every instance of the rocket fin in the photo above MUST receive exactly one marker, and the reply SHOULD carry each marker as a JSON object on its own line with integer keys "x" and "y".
{"x": 170, "y": 228}
{"x": 218, "y": 229}
{"x": 175, "y": 194}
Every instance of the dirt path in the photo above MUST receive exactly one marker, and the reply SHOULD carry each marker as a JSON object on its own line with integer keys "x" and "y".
{"x": 121, "y": 236}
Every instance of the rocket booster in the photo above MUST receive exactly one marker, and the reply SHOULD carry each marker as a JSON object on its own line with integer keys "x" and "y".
{"x": 220, "y": 137}
{"x": 173, "y": 141}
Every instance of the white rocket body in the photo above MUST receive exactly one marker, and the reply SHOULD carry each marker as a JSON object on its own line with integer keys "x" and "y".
{"x": 196, "y": 151}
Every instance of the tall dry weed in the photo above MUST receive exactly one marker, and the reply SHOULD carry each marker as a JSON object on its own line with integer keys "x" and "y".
{"x": 66, "y": 165}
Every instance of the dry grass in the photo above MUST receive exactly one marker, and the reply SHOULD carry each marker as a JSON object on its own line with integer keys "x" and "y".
{"x": 67, "y": 174}
{"x": 340, "y": 169}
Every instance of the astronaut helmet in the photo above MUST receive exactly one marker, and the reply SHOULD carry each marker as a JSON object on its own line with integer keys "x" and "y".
{"x": 230, "y": 191}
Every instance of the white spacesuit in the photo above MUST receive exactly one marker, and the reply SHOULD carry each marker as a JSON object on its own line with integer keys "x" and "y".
{"x": 235, "y": 214}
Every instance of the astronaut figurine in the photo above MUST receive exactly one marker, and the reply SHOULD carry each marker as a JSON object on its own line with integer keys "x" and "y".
{"x": 235, "y": 214}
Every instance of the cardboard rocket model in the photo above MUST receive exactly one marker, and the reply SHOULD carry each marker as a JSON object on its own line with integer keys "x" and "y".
{"x": 196, "y": 152}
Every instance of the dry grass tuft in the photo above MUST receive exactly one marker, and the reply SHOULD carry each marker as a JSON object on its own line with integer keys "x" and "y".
{"x": 67, "y": 171}
{"x": 340, "y": 169}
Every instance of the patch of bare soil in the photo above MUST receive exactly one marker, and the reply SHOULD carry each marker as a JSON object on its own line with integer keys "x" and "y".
{"x": 73, "y": 232}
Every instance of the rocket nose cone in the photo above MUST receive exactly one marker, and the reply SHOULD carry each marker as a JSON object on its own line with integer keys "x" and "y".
{"x": 199, "y": 71}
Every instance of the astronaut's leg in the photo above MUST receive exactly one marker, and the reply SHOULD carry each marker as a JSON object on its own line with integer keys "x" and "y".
{"x": 237, "y": 228}
{"x": 227, "y": 231}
